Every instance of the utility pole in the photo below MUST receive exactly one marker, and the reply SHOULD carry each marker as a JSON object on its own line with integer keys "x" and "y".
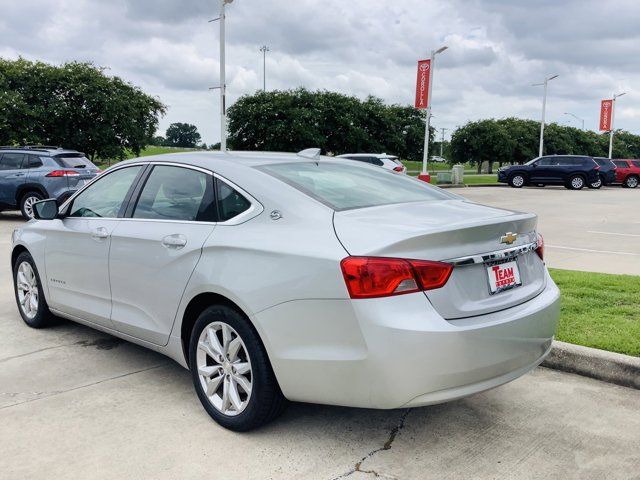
{"x": 544, "y": 106}
{"x": 264, "y": 49}
{"x": 613, "y": 111}
{"x": 442, "y": 141}
{"x": 223, "y": 80}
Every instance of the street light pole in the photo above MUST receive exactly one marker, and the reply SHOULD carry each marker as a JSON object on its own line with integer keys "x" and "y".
{"x": 264, "y": 49}
{"x": 613, "y": 112}
{"x": 544, "y": 107}
{"x": 425, "y": 155}
{"x": 576, "y": 117}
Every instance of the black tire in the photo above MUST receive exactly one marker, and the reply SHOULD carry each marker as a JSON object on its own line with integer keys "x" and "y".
{"x": 43, "y": 318}
{"x": 631, "y": 181}
{"x": 266, "y": 401}
{"x": 598, "y": 184}
{"x": 26, "y": 200}
{"x": 517, "y": 180}
{"x": 576, "y": 182}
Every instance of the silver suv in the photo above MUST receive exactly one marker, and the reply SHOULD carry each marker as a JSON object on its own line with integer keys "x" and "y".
{"x": 31, "y": 174}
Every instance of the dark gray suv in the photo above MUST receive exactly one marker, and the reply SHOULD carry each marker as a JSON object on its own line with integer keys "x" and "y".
{"x": 30, "y": 174}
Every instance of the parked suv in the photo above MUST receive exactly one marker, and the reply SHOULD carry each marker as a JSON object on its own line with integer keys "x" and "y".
{"x": 607, "y": 172}
{"x": 389, "y": 162}
{"x": 627, "y": 172}
{"x": 572, "y": 171}
{"x": 30, "y": 174}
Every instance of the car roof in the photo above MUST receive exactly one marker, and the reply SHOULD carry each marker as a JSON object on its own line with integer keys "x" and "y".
{"x": 377, "y": 155}
{"x": 39, "y": 149}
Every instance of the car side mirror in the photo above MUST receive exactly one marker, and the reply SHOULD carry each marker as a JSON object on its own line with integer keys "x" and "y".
{"x": 45, "y": 209}
{"x": 534, "y": 165}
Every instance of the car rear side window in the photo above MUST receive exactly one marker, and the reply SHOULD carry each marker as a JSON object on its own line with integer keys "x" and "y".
{"x": 231, "y": 203}
{"x": 621, "y": 164}
{"x": 343, "y": 187}
{"x": 105, "y": 197}
{"x": 33, "y": 161}
{"x": 635, "y": 163}
{"x": 176, "y": 193}
{"x": 11, "y": 161}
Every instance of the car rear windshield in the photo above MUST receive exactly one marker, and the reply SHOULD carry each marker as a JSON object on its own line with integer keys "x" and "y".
{"x": 345, "y": 187}
{"x": 603, "y": 162}
{"x": 74, "y": 160}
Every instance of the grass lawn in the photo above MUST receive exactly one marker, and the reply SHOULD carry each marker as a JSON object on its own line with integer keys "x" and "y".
{"x": 599, "y": 310}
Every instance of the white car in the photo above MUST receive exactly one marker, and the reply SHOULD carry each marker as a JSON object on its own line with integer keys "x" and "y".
{"x": 438, "y": 159}
{"x": 300, "y": 277}
{"x": 389, "y": 162}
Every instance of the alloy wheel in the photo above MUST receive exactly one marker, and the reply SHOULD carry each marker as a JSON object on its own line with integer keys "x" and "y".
{"x": 28, "y": 205}
{"x": 577, "y": 182}
{"x": 518, "y": 181}
{"x": 632, "y": 182}
{"x": 224, "y": 368}
{"x": 27, "y": 285}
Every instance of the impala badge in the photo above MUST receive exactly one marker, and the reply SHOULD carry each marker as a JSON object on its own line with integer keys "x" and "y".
{"x": 509, "y": 238}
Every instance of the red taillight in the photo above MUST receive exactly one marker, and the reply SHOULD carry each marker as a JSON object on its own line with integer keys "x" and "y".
{"x": 398, "y": 169}
{"x": 370, "y": 277}
{"x": 597, "y": 167}
{"x": 540, "y": 247}
{"x": 62, "y": 173}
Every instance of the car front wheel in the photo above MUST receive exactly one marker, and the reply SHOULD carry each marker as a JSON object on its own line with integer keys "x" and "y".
{"x": 631, "y": 181}
{"x": 26, "y": 204}
{"x": 231, "y": 372}
{"x": 32, "y": 305}
{"x": 597, "y": 184}
{"x": 517, "y": 180}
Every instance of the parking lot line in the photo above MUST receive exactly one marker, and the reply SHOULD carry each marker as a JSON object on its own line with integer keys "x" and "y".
{"x": 615, "y": 233}
{"x": 591, "y": 250}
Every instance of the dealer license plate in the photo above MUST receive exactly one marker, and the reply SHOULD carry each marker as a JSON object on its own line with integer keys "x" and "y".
{"x": 503, "y": 276}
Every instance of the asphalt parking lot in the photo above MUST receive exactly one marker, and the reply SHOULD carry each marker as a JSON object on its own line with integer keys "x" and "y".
{"x": 75, "y": 403}
{"x": 589, "y": 230}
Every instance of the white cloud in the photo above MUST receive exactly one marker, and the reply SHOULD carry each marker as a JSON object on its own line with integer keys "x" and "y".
{"x": 496, "y": 51}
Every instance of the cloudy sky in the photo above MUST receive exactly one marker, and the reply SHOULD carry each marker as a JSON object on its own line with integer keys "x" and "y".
{"x": 497, "y": 49}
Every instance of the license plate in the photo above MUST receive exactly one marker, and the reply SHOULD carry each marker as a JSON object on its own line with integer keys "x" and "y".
{"x": 503, "y": 276}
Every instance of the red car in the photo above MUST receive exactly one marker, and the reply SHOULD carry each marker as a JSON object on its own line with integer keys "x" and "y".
{"x": 627, "y": 172}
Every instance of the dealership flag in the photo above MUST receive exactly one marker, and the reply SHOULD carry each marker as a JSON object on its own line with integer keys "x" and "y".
{"x": 606, "y": 107}
{"x": 422, "y": 84}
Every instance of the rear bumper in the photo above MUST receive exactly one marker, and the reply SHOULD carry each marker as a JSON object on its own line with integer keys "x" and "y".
{"x": 398, "y": 351}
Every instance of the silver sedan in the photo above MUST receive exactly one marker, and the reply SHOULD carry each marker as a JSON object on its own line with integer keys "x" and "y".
{"x": 299, "y": 277}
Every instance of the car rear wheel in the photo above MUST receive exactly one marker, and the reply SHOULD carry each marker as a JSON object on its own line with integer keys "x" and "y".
{"x": 231, "y": 372}
{"x": 26, "y": 203}
{"x": 32, "y": 305}
{"x": 517, "y": 180}
{"x": 631, "y": 181}
{"x": 576, "y": 182}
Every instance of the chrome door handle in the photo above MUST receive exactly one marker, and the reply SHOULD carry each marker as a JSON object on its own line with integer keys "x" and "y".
{"x": 176, "y": 240}
{"x": 99, "y": 233}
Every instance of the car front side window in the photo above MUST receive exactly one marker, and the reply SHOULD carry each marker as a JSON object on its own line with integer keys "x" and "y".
{"x": 105, "y": 198}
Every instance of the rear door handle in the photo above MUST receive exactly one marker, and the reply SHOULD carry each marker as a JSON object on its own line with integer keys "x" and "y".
{"x": 99, "y": 233}
{"x": 177, "y": 241}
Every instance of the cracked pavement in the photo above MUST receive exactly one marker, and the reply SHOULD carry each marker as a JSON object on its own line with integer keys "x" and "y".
{"x": 76, "y": 403}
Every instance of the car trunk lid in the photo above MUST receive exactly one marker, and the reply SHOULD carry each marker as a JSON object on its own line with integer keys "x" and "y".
{"x": 458, "y": 231}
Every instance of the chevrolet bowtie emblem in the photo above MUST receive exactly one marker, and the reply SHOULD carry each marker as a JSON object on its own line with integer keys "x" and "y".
{"x": 509, "y": 238}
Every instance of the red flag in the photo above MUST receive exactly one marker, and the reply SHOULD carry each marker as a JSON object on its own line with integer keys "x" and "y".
{"x": 422, "y": 84}
{"x": 606, "y": 108}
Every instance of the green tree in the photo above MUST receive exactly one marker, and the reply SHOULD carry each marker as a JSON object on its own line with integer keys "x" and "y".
{"x": 292, "y": 120}
{"x": 182, "y": 135}
{"x": 74, "y": 105}
{"x": 481, "y": 141}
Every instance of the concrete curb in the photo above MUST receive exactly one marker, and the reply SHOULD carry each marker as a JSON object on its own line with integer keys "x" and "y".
{"x": 606, "y": 366}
